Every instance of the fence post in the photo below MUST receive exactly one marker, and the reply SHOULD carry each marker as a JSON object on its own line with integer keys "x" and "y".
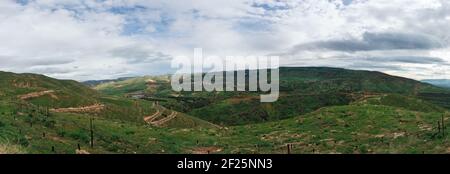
{"x": 289, "y": 148}
{"x": 443, "y": 126}
{"x": 439, "y": 127}
{"x": 92, "y": 132}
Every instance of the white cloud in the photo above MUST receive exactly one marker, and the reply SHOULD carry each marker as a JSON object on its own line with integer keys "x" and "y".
{"x": 104, "y": 39}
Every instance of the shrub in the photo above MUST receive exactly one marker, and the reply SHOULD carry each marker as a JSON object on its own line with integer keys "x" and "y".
{"x": 79, "y": 135}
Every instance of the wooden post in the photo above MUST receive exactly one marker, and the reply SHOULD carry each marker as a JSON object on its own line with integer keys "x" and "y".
{"x": 443, "y": 126}
{"x": 439, "y": 127}
{"x": 288, "y": 148}
{"x": 92, "y": 133}
{"x": 79, "y": 147}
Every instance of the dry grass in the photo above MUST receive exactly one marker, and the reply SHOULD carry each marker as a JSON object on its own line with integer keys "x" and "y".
{"x": 11, "y": 149}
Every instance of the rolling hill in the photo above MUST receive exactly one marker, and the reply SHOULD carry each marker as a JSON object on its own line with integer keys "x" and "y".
{"x": 92, "y": 83}
{"x": 67, "y": 96}
{"x": 45, "y": 91}
{"x": 303, "y": 90}
{"x": 321, "y": 110}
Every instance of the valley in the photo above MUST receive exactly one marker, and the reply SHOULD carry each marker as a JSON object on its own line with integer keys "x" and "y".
{"x": 320, "y": 110}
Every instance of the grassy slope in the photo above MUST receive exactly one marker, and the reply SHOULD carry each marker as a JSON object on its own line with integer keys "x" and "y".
{"x": 351, "y": 129}
{"x": 389, "y": 124}
{"x": 123, "y": 87}
{"x": 25, "y": 130}
{"x": 359, "y": 128}
{"x": 69, "y": 93}
{"x": 302, "y": 90}
{"x": 186, "y": 121}
{"x": 11, "y": 149}
{"x": 131, "y": 85}
{"x": 307, "y": 89}
{"x": 73, "y": 94}
{"x": 396, "y": 100}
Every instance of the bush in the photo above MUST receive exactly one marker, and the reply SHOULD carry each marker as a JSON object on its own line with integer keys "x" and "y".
{"x": 23, "y": 141}
{"x": 79, "y": 135}
{"x": 61, "y": 133}
{"x": 50, "y": 123}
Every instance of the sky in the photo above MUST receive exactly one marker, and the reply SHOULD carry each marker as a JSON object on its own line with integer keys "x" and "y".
{"x": 104, "y": 39}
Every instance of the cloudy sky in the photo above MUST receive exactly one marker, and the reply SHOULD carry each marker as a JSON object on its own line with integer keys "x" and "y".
{"x": 100, "y": 39}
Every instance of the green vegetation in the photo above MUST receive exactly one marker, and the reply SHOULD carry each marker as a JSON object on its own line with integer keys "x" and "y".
{"x": 349, "y": 129}
{"x": 65, "y": 93}
{"x": 320, "y": 110}
{"x": 359, "y": 128}
{"x": 303, "y": 90}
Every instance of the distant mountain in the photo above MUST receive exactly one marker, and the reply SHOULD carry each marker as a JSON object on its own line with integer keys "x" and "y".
{"x": 92, "y": 83}
{"x": 445, "y": 83}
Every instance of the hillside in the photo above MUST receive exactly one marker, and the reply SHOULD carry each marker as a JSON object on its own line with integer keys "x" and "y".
{"x": 364, "y": 128}
{"x": 348, "y": 129}
{"x": 303, "y": 90}
{"x": 148, "y": 84}
{"x": 33, "y": 90}
{"x": 67, "y": 96}
{"x": 345, "y": 114}
{"x": 45, "y": 91}
{"x": 301, "y": 79}
{"x": 92, "y": 83}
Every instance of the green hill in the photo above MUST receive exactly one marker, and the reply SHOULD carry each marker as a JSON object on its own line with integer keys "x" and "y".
{"x": 54, "y": 93}
{"x": 338, "y": 129}
{"x": 320, "y": 110}
{"x": 39, "y": 91}
{"x": 348, "y": 129}
{"x": 135, "y": 84}
{"x": 396, "y": 100}
{"x": 303, "y": 90}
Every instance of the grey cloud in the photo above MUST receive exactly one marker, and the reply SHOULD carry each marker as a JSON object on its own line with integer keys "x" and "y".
{"x": 138, "y": 55}
{"x": 376, "y": 41}
{"x": 371, "y": 66}
{"x": 407, "y": 59}
{"x": 50, "y": 70}
{"x": 51, "y": 61}
{"x": 18, "y": 60}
